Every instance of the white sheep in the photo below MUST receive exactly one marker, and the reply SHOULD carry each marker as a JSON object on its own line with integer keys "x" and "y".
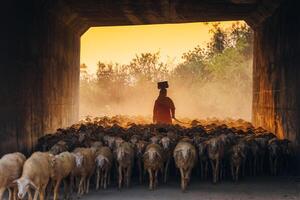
{"x": 36, "y": 174}
{"x": 10, "y": 169}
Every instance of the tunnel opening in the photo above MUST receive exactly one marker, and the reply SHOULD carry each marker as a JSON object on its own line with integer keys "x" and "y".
{"x": 208, "y": 66}
{"x": 40, "y": 79}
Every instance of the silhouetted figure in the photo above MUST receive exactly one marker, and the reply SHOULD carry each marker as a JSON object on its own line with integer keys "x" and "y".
{"x": 164, "y": 109}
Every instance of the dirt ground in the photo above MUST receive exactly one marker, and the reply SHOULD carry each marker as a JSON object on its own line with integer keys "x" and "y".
{"x": 270, "y": 188}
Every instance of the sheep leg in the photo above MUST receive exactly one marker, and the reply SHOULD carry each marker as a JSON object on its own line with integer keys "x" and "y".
{"x": 213, "y": 170}
{"x": 206, "y": 170}
{"x": 97, "y": 179}
{"x": 108, "y": 178}
{"x": 15, "y": 189}
{"x": 232, "y": 171}
{"x": 56, "y": 189}
{"x": 182, "y": 179}
{"x": 150, "y": 179}
{"x": 237, "y": 172}
{"x": 71, "y": 186}
{"x": 156, "y": 179}
{"x": 49, "y": 188}
{"x": 36, "y": 194}
{"x": 166, "y": 170}
{"x": 140, "y": 171}
{"x": 128, "y": 176}
{"x": 80, "y": 186}
{"x": 84, "y": 185}
{"x": 88, "y": 184}
{"x": 188, "y": 175}
{"x": 1, "y": 192}
{"x": 42, "y": 192}
{"x": 9, "y": 193}
{"x": 105, "y": 179}
{"x": 66, "y": 192}
{"x": 29, "y": 194}
{"x": 120, "y": 177}
{"x": 217, "y": 170}
{"x": 102, "y": 179}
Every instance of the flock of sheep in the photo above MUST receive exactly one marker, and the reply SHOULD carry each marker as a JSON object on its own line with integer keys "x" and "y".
{"x": 105, "y": 150}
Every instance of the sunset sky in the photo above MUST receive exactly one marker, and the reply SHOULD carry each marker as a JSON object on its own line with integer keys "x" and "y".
{"x": 121, "y": 43}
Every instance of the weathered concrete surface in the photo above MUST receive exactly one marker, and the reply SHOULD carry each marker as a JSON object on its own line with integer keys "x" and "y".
{"x": 39, "y": 74}
{"x": 276, "y": 94}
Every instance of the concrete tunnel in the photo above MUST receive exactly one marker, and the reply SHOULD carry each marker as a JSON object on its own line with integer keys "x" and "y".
{"x": 40, "y": 48}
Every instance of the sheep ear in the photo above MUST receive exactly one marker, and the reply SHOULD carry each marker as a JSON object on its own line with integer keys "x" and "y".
{"x": 52, "y": 161}
{"x": 145, "y": 154}
{"x": 15, "y": 182}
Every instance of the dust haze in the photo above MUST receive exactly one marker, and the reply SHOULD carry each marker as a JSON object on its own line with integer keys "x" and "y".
{"x": 209, "y": 82}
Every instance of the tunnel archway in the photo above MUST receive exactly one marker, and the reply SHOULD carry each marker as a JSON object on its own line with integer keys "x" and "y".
{"x": 41, "y": 45}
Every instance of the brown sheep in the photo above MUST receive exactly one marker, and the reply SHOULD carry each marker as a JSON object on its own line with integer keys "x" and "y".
{"x": 185, "y": 157}
{"x": 237, "y": 156}
{"x": 125, "y": 159}
{"x": 36, "y": 174}
{"x": 10, "y": 169}
{"x": 203, "y": 159}
{"x": 274, "y": 154}
{"x": 85, "y": 171}
{"x": 215, "y": 150}
{"x": 59, "y": 147}
{"x": 168, "y": 150}
{"x": 153, "y": 162}
{"x": 104, "y": 161}
{"x": 139, "y": 152}
{"x": 62, "y": 166}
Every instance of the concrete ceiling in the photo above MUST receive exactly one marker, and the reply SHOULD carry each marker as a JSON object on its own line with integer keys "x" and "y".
{"x": 82, "y": 14}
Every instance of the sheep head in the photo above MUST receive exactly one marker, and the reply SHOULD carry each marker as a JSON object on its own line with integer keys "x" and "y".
{"x": 166, "y": 143}
{"x": 78, "y": 159}
{"x": 152, "y": 155}
{"x": 101, "y": 160}
{"x": 24, "y": 184}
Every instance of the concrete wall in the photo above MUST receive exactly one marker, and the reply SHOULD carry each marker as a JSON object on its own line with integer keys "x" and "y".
{"x": 39, "y": 79}
{"x": 276, "y": 89}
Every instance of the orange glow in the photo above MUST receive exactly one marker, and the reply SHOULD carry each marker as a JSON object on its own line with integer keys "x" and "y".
{"x": 121, "y": 43}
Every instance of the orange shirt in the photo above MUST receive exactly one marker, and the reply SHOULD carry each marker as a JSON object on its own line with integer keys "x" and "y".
{"x": 163, "y": 111}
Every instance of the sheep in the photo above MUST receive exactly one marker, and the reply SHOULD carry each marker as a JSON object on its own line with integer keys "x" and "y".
{"x": 185, "y": 157}
{"x": 10, "y": 170}
{"x": 97, "y": 145}
{"x": 153, "y": 159}
{"x": 203, "y": 158}
{"x": 168, "y": 150}
{"x": 36, "y": 174}
{"x": 253, "y": 156}
{"x": 62, "y": 166}
{"x": 215, "y": 150}
{"x": 125, "y": 159}
{"x": 139, "y": 152}
{"x": 104, "y": 161}
{"x": 86, "y": 170}
{"x": 263, "y": 148}
{"x": 236, "y": 159}
{"x": 59, "y": 147}
{"x": 274, "y": 155}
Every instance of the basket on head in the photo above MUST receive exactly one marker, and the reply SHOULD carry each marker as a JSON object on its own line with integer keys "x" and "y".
{"x": 162, "y": 85}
